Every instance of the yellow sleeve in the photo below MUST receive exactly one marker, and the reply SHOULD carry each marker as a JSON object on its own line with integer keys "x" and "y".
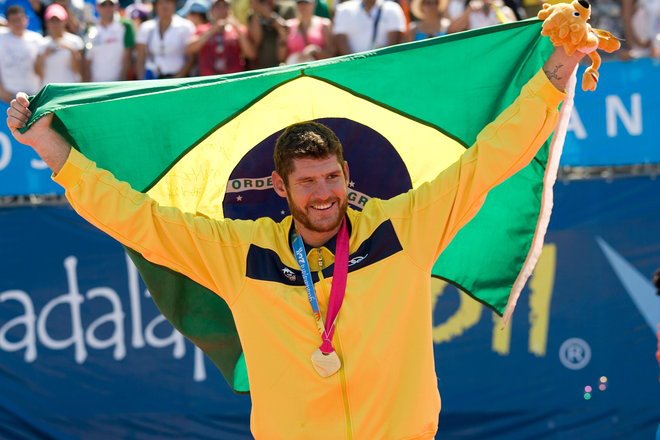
{"x": 210, "y": 252}
{"x": 427, "y": 218}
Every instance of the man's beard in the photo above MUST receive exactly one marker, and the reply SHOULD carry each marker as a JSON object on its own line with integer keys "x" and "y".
{"x": 302, "y": 218}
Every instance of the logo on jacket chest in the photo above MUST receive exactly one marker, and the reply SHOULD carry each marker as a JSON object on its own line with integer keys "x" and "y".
{"x": 357, "y": 260}
{"x": 289, "y": 274}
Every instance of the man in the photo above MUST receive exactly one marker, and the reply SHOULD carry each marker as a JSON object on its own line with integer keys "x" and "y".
{"x": 33, "y": 10}
{"x": 18, "y": 53}
{"x": 362, "y": 25}
{"x": 372, "y": 375}
{"x": 109, "y": 46}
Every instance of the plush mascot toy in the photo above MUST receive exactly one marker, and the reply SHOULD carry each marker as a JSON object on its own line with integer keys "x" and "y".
{"x": 566, "y": 25}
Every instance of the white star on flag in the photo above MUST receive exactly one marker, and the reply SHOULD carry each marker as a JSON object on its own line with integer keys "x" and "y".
{"x": 239, "y": 198}
{"x": 351, "y": 184}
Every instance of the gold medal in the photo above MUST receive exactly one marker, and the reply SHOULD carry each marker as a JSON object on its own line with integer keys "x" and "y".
{"x": 325, "y": 364}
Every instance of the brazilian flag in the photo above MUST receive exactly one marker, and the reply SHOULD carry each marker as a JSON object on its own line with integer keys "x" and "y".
{"x": 403, "y": 114}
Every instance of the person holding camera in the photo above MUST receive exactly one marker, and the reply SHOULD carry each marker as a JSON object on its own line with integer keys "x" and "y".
{"x": 268, "y": 33}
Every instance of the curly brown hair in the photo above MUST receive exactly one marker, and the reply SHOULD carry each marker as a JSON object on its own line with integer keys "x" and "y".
{"x": 305, "y": 140}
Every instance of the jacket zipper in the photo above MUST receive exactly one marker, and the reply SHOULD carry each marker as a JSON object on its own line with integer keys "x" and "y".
{"x": 337, "y": 343}
{"x": 344, "y": 393}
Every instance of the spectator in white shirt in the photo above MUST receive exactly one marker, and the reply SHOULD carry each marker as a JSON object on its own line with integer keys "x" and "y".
{"x": 18, "y": 53}
{"x": 109, "y": 45}
{"x": 60, "y": 57}
{"x": 362, "y": 25}
{"x": 161, "y": 44}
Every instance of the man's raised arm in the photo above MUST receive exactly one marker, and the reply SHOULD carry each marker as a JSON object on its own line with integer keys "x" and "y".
{"x": 210, "y": 252}
{"x": 435, "y": 211}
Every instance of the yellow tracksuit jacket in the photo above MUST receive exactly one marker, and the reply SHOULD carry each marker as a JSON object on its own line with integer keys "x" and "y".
{"x": 387, "y": 387}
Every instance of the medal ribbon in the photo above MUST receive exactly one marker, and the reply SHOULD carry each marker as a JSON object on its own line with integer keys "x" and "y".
{"x": 337, "y": 291}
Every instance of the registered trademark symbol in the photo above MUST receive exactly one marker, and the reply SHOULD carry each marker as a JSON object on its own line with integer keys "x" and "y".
{"x": 575, "y": 353}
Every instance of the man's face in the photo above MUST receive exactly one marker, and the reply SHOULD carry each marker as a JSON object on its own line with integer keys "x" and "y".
{"x": 17, "y": 23}
{"x": 165, "y": 8}
{"x": 317, "y": 193}
{"x": 106, "y": 10}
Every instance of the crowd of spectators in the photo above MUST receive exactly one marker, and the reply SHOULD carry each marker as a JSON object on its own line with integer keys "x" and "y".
{"x": 66, "y": 41}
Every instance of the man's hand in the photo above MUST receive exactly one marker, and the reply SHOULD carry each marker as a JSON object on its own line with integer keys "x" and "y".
{"x": 18, "y": 114}
{"x": 567, "y": 26}
{"x": 41, "y": 137}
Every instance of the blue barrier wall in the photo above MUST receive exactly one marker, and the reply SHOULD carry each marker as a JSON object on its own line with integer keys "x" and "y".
{"x": 616, "y": 125}
{"x": 84, "y": 353}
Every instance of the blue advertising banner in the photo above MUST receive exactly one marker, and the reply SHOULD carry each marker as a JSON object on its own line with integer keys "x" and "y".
{"x": 85, "y": 354}
{"x": 618, "y": 123}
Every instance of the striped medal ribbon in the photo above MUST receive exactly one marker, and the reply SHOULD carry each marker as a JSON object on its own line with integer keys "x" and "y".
{"x": 325, "y": 359}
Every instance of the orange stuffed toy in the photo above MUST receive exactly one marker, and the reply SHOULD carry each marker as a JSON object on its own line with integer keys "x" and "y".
{"x": 566, "y": 25}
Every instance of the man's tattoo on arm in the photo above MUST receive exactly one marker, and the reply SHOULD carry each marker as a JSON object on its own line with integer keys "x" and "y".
{"x": 553, "y": 74}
